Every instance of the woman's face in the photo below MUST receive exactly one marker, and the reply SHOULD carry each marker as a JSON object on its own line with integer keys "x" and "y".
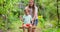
{"x": 31, "y": 3}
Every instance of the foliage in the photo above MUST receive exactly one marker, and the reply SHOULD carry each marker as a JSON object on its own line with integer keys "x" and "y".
{"x": 10, "y": 10}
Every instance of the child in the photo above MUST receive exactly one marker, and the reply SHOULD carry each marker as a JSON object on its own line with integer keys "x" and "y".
{"x": 26, "y": 20}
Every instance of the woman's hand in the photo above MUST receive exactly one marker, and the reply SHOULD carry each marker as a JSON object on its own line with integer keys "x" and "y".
{"x": 32, "y": 21}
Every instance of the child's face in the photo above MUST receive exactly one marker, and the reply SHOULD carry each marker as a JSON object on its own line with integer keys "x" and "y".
{"x": 26, "y": 12}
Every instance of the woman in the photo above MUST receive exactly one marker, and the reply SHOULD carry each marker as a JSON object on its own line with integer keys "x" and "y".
{"x": 33, "y": 13}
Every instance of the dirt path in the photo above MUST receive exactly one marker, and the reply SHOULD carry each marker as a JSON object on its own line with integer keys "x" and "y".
{"x": 38, "y": 30}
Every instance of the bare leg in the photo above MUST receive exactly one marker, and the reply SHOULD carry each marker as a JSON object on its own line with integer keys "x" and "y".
{"x": 33, "y": 29}
{"x": 24, "y": 30}
{"x": 29, "y": 29}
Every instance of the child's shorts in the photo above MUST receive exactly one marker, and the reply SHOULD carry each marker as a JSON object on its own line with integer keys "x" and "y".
{"x": 27, "y": 25}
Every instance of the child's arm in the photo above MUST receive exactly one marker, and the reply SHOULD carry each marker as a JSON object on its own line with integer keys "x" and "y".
{"x": 21, "y": 18}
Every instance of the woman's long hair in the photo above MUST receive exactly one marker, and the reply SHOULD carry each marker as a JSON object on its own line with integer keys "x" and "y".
{"x": 33, "y": 7}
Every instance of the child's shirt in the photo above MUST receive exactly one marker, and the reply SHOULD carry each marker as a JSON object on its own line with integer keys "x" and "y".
{"x": 27, "y": 19}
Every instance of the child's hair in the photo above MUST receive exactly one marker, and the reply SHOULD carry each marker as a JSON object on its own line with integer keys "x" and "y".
{"x": 27, "y": 10}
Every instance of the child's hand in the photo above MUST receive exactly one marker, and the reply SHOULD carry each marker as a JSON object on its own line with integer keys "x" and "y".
{"x": 20, "y": 17}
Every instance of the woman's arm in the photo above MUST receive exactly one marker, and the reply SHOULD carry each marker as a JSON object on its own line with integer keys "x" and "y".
{"x": 35, "y": 13}
{"x": 33, "y": 18}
